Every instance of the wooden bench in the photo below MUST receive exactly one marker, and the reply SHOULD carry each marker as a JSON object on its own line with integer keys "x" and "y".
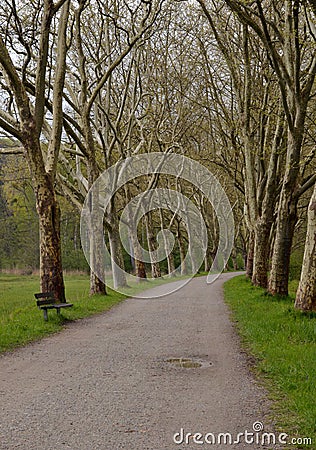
{"x": 46, "y": 300}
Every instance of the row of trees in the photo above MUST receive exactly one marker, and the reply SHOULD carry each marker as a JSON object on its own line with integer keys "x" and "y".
{"x": 272, "y": 65}
{"x": 231, "y": 84}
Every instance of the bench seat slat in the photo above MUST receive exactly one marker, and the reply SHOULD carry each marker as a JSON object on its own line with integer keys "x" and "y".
{"x": 56, "y": 306}
{"x": 49, "y": 295}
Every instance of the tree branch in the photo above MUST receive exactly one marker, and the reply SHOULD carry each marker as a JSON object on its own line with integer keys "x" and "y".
{"x": 55, "y": 138}
{"x": 17, "y": 86}
{"x": 12, "y": 151}
{"x": 307, "y": 184}
{"x": 40, "y": 82}
{"x": 9, "y": 128}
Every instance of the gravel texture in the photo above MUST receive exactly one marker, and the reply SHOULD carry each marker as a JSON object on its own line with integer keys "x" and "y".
{"x": 106, "y": 382}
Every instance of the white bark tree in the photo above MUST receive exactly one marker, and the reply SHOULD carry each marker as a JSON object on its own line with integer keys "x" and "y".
{"x": 306, "y": 292}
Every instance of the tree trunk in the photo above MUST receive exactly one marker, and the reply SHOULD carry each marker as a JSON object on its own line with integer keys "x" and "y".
{"x": 306, "y": 292}
{"x": 118, "y": 273}
{"x": 206, "y": 264}
{"x": 261, "y": 253}
{"x": 234, "y": 258}
{"x": 155, "y": 268}
{"x": 287, "y": 217}
{"x": 182, "y": 250}
{"x": 280, "y": 267}
{"x": 140, "y": 270}
{"x": 171, "y": 267}
{"x": 250, "y": 255}
{"x": 265, "y": 220}
{"x": 97, "y": 285}
{"x": 169, "y": 255}
{"x": 139, "y": 264}
{"x": 51, "y": 273}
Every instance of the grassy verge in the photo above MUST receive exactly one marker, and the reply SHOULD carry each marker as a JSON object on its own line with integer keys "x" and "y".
{"x": 282, "y": 341}
{"x": 21, "y": 322}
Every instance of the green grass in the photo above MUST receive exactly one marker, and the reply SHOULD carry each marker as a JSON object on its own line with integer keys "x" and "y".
{"x": 282, "y": 340}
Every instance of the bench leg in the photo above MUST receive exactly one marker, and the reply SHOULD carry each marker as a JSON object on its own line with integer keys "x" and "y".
{"x": 58, "y": 311}
{"x": 45, "y": 314}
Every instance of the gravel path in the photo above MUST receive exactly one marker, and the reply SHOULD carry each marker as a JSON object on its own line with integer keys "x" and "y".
{"x": 106, "y": 382}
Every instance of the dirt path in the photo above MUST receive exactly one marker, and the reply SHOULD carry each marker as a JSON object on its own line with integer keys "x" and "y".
{"x": 106, "y": 383}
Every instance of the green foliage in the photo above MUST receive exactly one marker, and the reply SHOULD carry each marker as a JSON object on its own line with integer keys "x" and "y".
{"x": 72, "y": 254}
{"x": 296, "y": 264}
{"x": 19, "y": 223}
{"x": 283, "y": 342}
{"x": 19, "y": 234}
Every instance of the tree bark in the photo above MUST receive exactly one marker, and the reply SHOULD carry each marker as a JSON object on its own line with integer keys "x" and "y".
{"x": 264, "y": 222}
{"x": 280, "y": 267}
{"x": 140, "y": 270}
{"x": 306, "y": 292}
{"x": 155, "y": 268}
{"x": 287, "y": 213}
{"x": 169, "y": 255}
{"x": 206, "y": 264}
{"x": 51, "y": 273}
{"x": 261, "y": 253}
{"x": 250, "y": 256}
{"x": 171, "y": 266}
{"x": 234, "y": 259}
{"x": 119, "y": 277}
{"x": 182, "y": 251}
{"x": 97, "y": 285}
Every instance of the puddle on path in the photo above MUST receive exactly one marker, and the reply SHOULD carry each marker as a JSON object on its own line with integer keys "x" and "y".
{"x": 188, "y": 363}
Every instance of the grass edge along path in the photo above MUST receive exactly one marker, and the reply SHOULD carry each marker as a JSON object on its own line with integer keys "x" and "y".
{"x": 282, "y": 342}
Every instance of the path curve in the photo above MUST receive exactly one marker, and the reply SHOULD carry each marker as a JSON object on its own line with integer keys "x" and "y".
{"x": 105, "y": 382}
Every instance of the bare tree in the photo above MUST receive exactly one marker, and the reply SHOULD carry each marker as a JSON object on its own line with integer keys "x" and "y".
{"x": 99, "y": 95}
{"x": 28, "y": 45}
{"x": 293, "y": 60}
{"x": 248, "y": 122}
